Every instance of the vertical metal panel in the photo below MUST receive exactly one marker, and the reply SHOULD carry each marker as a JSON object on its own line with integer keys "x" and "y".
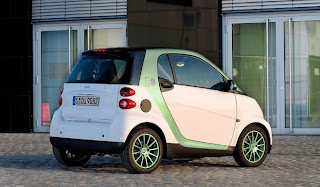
{"x": 88, "y": 37}
{"x": 46, "y": 10}
{"x": 267, "y": 70}
{"x": 290, "y": 74}
{"x": 69, "y": 49}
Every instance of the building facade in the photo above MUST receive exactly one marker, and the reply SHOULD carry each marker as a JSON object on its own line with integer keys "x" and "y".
{"x": 272, "y": 51}
{"x": 62, "y": 30}
{"x": 270, "y": 48}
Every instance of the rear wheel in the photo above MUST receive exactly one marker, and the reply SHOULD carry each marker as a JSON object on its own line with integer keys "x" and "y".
{"x": 252, "y": 147}
{"x": 143, "y": 151}
{"x": 70, "y": 158}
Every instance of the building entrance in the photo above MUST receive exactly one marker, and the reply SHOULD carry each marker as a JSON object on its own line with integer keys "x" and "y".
{"x": 275, "y": 59}
{"x": 57, "y": 48}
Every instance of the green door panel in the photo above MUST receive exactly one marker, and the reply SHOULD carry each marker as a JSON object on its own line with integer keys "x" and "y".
{"x": 314, "y": 92}
{"x": 249, "y": 60}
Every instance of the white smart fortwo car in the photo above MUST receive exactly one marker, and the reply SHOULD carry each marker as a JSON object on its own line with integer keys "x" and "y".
{"x": 147, "y": 104}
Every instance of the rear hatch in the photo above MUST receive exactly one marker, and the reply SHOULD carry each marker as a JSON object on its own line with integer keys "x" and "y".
{"x": 91, "y": 91}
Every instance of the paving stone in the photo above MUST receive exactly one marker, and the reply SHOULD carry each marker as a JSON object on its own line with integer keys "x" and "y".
{"x": 27, "y": 160}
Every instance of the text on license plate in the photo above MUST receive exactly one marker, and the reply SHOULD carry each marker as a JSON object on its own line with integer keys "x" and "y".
{"x": 86, "y": 101}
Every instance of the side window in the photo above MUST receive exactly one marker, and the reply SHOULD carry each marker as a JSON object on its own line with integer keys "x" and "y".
{"x": 192, "y": 71}
{"x": 164, "y": 68}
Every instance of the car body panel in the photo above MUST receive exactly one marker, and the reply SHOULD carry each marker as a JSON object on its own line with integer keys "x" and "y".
{"x": 109, "y": 123}
{"x": 209, "y": 117}
{"x": 249, "y": 112}
{"x": 116, "y": 129}
{"x": 105, "y": 112}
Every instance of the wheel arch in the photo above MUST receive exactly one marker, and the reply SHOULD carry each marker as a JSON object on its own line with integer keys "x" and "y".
{"x": 263, "y": 127}
{"x": 267, "y": 133}
{"x": 158, "y": 131}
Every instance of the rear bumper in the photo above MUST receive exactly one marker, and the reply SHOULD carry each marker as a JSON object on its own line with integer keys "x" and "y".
{"x": 87, "y": 146}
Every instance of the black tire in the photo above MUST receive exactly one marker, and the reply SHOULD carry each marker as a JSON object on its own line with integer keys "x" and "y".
{"x": 69, "y": 158}
{"x": 133, "y": 150}
{"x": 254, "y": 154}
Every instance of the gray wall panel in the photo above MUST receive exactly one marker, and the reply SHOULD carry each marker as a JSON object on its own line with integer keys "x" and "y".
{"x": 195, "y": 26}
{"x": 267, "y": 5}
{"x": 46, "y": 10}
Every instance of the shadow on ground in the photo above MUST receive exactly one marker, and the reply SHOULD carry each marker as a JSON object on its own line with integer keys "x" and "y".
{"x": 106, "y": 164}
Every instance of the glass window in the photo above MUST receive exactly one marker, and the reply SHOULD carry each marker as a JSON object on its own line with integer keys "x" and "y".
{"x": 99, "y": 69}
{"x": 192, "y": 71}
{"x": 304, "y": 71}
{"x": 54, "y": 68}
{"x": 164, "y": 68}
{"x": 103, "y": 38}
{"x": 250, "y": 69}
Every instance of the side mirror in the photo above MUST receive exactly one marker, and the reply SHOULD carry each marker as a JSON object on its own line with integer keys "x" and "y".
{"x": 227, "y": 84}
{"x": 165, "y": 85}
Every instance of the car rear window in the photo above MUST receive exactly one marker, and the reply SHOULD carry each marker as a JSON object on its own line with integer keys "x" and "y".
{"x": 101, "y": 69}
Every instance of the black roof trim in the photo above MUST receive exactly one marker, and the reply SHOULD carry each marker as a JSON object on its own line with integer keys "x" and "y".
{"x": 125, "y": 49}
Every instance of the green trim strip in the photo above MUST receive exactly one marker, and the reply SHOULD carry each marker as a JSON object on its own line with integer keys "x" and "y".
{"x": 149, "y": 80}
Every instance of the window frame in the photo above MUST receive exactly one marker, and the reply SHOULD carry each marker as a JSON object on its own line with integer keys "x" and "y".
{"x": 171, "y": 67}
{"x": 174, "y": 72}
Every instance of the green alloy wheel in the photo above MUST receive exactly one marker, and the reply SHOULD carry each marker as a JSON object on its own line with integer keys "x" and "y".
{"x": 143, "y": 151}
{"x": 252, "y": 147}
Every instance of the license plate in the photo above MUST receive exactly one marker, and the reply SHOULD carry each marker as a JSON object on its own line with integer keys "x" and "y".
{"x": 86, "y": 101}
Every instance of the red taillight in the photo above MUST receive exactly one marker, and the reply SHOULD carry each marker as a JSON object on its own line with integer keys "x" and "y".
{"x": 60, "y": 101}
{"x": 61, "y": 91}
{"x": 126, "y": 104}
{"x": 100, "y": 50}
{"x": 126, "y": 92}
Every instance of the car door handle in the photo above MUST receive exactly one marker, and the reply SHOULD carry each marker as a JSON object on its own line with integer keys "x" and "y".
{"x": 165, "y": 85}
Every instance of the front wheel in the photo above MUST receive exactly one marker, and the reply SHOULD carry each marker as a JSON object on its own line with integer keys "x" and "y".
{"x": 143, "y": 151}
{"x": 252, "y": 147}
{"x": 70, "y": 158}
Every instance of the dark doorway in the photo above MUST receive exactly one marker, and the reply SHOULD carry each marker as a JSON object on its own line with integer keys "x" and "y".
{"x": 16, "y": 76}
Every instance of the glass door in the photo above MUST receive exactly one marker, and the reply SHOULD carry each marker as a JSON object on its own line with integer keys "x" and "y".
{"x": 275, "y": 59}
{"x": 57, "y": 57}
{"x": 57, "y": 52}
{"x": 254, "y": 68}
{"x": 302, "y": 76}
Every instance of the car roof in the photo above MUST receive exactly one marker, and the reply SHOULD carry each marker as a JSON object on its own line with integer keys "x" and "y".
{"x": 125, "y": 52}
{"x": 128, "y": 49}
